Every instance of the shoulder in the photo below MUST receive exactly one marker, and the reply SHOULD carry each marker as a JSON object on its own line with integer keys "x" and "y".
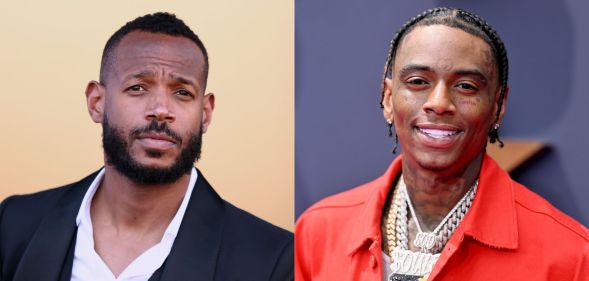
{"x": 261, "y": 246}
{"x": 258, "y": 232}
{"x": 537, "y": 219}
{"x": 251, "y": 224}
{"x": 21, "y": 214}
{"x": 29, "y": 209}
{"x": 327, "y": 225}
{"x": 348, "y": 203}
{"x": 236, "y": 222}
{"x": 547, "y": 232}
{"x": 540, "y": 213}
{"x": 341, "y": 205}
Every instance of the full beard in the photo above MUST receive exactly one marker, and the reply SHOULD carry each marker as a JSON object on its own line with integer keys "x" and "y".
{"x": 117, "y": 153}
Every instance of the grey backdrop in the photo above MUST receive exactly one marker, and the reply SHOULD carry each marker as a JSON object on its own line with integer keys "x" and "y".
{"x": 340, "y": 132}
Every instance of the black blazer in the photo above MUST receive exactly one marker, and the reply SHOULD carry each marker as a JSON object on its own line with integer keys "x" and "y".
{"x": 216, "y": 240}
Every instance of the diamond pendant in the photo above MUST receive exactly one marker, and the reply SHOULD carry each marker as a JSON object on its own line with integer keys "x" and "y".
{"x": 406, "y": 262}
{"x": 426, "y": 241}
{"x": 403, "y": 277}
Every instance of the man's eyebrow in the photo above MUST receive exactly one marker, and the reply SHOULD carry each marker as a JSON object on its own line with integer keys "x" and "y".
{"x": 471, "y": 72}
{"x": 141, "y": 74}
{"x": 413, "y": 67}
{"x": 406, "y": 70}
{"x": 148, "y": 73}
{"x": 183, "y": 80}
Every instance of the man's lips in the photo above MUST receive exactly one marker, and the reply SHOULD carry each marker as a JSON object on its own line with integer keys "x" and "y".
{"x": 156, "y": 141}
{"x": 157, "y": 136}
{"x": 438, "y": 135}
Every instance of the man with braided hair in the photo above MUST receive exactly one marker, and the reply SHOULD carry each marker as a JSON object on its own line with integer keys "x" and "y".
{"x": 444, "y": 210}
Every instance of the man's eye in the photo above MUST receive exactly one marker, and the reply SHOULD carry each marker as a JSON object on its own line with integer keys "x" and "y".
{"x": 184, "y": 93}
{"x": 136, "y": 88}
{"x": 467, "y": 86}
{"x": 417, "y": 81}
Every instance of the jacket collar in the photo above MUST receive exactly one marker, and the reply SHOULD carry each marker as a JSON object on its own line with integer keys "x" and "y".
{"x": 367, "y": 224}
{"x": 196, "y": 249}
{"x": 194, "y": 252}
{"x": 47, "y": 252}
{"x": 491, "y": 219}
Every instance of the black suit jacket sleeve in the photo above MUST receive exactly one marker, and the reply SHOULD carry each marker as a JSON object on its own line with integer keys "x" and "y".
{"x": 283, "y": 270}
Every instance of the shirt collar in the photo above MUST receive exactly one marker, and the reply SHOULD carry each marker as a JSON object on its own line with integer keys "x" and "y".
{"x": 491, "y": 219}
{"x": 367, "y": 226}
{"x": 83, "y": 218}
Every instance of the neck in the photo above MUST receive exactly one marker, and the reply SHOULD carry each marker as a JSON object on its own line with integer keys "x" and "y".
{"x": 434, "y": 194}
{"x": 126, "y": 205}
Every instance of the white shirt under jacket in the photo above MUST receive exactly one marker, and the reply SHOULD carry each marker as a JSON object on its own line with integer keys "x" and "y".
{"x": 87, "y": 264}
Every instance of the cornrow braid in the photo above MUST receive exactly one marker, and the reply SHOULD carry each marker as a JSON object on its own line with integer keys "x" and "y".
{"x": 467, "y": 22}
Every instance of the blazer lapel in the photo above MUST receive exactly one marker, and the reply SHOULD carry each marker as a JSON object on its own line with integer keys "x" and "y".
{"x": 196, "y": 248}
{"x": 46, "y": 254}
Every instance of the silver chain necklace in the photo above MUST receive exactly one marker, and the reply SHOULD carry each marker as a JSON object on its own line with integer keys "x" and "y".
{"x": 408, "y": 265}
{"x": 433, "y": 242}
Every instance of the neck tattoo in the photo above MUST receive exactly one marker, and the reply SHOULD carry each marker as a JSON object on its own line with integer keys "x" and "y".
{"x": 408, "y": 265}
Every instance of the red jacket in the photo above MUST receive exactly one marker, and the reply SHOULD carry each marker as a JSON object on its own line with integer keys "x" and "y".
{"x": 510, "y": 233}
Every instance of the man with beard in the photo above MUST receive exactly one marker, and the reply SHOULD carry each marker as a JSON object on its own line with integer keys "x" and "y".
{"x": 148, "y": 214}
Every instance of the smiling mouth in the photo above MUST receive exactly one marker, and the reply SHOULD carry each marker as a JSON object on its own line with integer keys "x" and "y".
{"x": 438, "y": 133}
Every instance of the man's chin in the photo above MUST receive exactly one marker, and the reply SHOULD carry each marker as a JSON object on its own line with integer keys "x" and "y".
{"x": 154, "y": 164}
{"x": 435, "y": 163}
{"x": 152, "y": 175}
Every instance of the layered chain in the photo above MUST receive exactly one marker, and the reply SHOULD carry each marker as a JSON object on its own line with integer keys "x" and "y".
{"x": 441, "y": 234}
{"x": 398, "y": 239}
{"x": 397, "y": 219}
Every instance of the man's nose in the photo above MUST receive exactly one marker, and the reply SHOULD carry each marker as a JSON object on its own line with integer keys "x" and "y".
{"x": 439, "y": 100}
{"x": 158, "y": 107}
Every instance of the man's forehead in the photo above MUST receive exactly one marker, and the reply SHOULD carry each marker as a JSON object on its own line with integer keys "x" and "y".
{"x": 144, "y": 51}
{"x": 444, "y": 48}
{"x": 148, "y": 42}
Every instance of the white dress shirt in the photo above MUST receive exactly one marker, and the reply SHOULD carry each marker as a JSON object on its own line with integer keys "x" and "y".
{"x": 87, "y": 264}
{"x": 386, "y": 266}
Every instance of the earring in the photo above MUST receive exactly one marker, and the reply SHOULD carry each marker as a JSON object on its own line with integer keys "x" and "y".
{"x": 496, "y": 126}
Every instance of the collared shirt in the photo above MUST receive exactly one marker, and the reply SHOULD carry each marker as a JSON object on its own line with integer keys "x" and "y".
{"x": 88, "y": 266}
{"x": 509, "y": 233}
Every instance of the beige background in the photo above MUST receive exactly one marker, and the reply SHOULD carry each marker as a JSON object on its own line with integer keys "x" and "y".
{"x": 51, "y": 49}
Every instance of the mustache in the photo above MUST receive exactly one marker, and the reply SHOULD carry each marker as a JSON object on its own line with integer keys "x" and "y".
{"x": 155, "y": 127}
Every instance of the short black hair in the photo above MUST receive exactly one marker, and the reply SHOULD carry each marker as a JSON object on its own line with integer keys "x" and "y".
{"x": 470, "y": 23}
{"x": 160, "y": 22}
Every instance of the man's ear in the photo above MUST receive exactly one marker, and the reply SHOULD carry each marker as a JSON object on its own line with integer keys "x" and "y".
{"x": 95, "y": 100}
{"x": 207, "y": 110}
{"x": 387, "y": 99}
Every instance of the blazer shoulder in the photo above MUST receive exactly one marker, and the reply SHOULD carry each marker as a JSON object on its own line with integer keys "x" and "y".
{"x": 255, "y": 243}
{"x": 26, "y": 211}
{"x": 34, "y": 205}
{"x": 42, "y": 200}
{"x": 253, "y": 227}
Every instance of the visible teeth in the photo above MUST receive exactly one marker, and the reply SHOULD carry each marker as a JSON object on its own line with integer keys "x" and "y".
{"x": 435, "y": 133}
